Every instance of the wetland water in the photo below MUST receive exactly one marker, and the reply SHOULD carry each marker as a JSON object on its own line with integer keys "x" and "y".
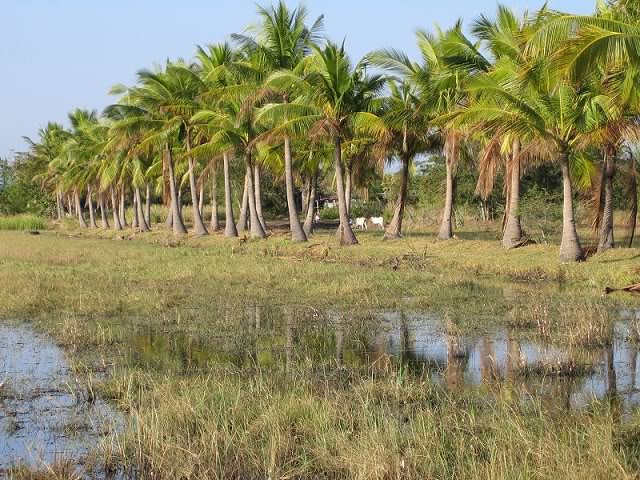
{"x": 46, "y": 416}
{"x": 269, "y": 339}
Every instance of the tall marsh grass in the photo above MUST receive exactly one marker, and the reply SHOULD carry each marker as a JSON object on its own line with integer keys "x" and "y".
{"x": 231, "y": 427}
{"x": 23, "y": 222}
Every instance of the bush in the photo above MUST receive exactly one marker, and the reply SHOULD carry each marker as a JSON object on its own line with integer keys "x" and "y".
{"x": 541, "y": 211}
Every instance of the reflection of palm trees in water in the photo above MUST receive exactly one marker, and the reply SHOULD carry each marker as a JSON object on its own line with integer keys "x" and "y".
{"x": 457, "y": 358}
{"x": 515, "y": 358}
{"x": 488, "y": 365}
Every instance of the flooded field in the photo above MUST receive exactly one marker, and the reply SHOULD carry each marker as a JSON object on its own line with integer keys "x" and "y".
{"x": 273, "y": 339}
{"x": 47, "y": 415}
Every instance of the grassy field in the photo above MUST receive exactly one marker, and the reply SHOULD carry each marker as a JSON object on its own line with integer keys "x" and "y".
{"x": 91, "y": 290}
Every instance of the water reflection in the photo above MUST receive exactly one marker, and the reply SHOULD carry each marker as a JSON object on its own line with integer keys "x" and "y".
{"x": 285, "y": 339}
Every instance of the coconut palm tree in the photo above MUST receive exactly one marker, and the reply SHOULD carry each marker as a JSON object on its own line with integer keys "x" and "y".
{"x": 43, "y": 151}
{"x": 280, "y": 41}
{"x": 555, "y": 116}
{"x": 230, "y": 121}
{"x": 151, "y": 111}
{"x": 333, "y": 100}
{"x": 448, "y": 59}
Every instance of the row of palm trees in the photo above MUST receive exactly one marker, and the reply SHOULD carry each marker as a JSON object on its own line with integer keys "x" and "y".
{"x": 282, "y": 100}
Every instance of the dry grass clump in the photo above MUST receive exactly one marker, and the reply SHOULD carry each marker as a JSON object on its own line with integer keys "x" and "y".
{"x": 573, "y": 322}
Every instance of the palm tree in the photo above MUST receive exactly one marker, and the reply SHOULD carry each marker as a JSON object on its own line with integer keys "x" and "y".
{"x": 555, "y": 116}
{"x": 43, "y": 152}
{"x": 333, "y": 100}
{"x": 230, "y": 121}
{"x": 608, "y": 43}
{"x": 449, "y": 58}
{"x": 149, "y": 110}
{"x": 280, "y": 42}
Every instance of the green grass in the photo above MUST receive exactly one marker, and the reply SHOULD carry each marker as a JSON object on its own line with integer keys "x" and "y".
{"x": 23, "y": 222}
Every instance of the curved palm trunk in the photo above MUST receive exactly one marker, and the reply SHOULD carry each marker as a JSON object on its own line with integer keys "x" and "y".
{"x": 136, "y": 209}
{"x": 513, "y": 230}
{"x": 633, "y": 192}
{"x": 570, "y": 248}
{"x": 81, "y": 220}
{"x": 123, "y": 209}
{"x": 258, "y": 195}
{"x": 230, "y": 229}
{"x": 297, "y": 233}
{"x": 446, "y": 228}
{"x": 345, "y": 233}
{"x": 257, "y": 231}
{"x": 348, "y": 184}
{"x": 59, "y": 207}
{"x": 176, "y": 222}
{"x": 606, "y": 241}
{"x": 310, "y": 221}
{"x": 142, "y": 222}
{"x": 92, "y": 215}
{"x": 394, "y": 231}
{"x": 116, "y": 218}
{"x": 197, "y": 216}
{"x": 244, "y": 207}
{"x": 103, "y": 212}
{"x": 147, "y": 206}
{"x": 201, "y": 199}
{"x": 215, "y": 224}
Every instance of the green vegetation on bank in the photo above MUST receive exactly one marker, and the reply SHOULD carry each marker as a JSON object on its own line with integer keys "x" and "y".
{"x": 23, "y": 222}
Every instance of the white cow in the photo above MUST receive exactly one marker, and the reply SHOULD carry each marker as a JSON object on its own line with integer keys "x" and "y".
{"x": 377, "y": 221}
{"x": 361, "y": 223}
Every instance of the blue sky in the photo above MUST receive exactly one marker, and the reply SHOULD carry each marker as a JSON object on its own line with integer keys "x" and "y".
{"x": 62, "y": 54}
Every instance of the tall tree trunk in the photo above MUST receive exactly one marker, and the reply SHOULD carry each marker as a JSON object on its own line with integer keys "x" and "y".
{"x": 215, "y": 224}
{"x": 116, "y": 217}
{"x": 92, "y": 216}
{"x": 123, "y": 209}
{"x": 297, "y": 233}
{"x": 103, "y": 212}
{"x": 446, "y": 228}
{"x": 230, "y": 229}
{"x": 176, "y": 222}
{"x": 201, "y": 199}
{"x": 257, "y": 180}
{"x": 345, "y": 233}
{"x": 633, "y": 192}
{"x": 70, "y": 205}
{"x": 257, "y": 231}
{"x": 147, "y": 206}
{"x": 310, "y": 220}
{"x": 59, "y": 205}
{"x": 570, "y": 248}
{"x": 348, "y": 184}
{"x": 244, "y": 207}
{"x": 394, "y": 230}
{"x": 606, "y": 241}
{"x": 135, "y": 223}
{"x": 81, "y": 221}
{"x": 142, "y": 222}
{"x": 512, "y": 234}
{"x": 197, "y": 217}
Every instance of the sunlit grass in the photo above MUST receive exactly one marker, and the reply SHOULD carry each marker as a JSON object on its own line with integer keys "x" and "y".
{"x": 23, "y": 222}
